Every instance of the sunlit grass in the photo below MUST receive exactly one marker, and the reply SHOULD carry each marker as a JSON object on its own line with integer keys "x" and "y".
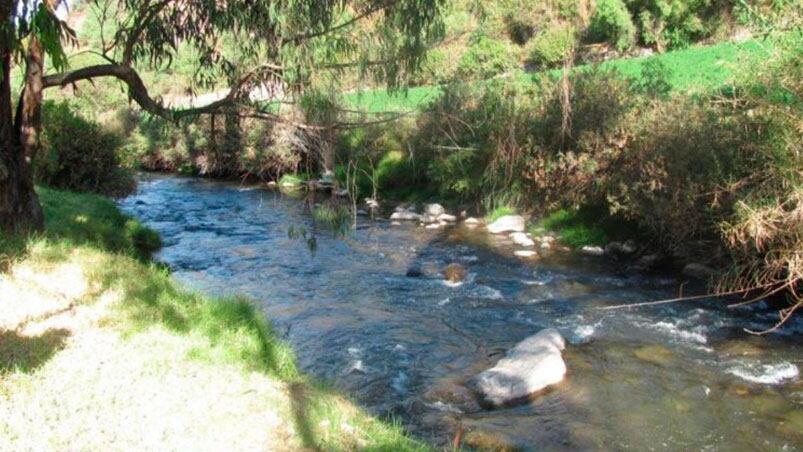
{"x": 499, "y": 212}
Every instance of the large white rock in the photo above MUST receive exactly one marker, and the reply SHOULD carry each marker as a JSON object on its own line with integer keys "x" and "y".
{"x": 434, "y": 209}
{"x": 530, "y": 366}
{"x": 520, "y": 238}
{"x": 507, "y": 223}
{"x": 589, "y": 250}
{"x": 405, "y": 215}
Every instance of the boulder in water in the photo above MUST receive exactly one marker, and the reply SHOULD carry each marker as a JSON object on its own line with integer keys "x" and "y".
{"x": 521, "y": 239}
{"x": 592, "y": 250}
{"x": 507, "y": 223}
{"x": 532, "y": 365}
{"x": 454, "y": 273}
{"x": 434, "y": 209}
{"x": 405, "y": 215}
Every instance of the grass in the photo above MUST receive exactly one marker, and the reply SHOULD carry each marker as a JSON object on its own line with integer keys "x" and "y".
{"x": 698, "y": 68}
{"x": 334, "y": 217}
{"x": 92, "y": 260}
{"x": 293, "y": 180}
{"x": 499, "y": 212}
{"x": 585, "y": 227}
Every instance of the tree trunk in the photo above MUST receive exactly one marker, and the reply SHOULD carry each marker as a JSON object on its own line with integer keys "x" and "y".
{"x": 19, "y": 205}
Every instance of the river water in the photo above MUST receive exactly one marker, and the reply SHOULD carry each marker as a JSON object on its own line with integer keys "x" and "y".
{"x": 671, "y": 377}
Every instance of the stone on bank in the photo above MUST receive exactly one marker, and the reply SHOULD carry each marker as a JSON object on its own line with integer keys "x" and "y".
{"x": 507, "y": 223}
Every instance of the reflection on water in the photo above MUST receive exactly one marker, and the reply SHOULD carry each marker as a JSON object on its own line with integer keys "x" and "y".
{"x": 681, "y": 376}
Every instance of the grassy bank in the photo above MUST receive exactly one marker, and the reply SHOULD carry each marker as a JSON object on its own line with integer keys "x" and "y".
{"x": 100, "y": 349}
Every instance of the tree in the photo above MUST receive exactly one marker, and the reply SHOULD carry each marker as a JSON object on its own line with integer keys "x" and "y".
{"x": 285, "y": 47}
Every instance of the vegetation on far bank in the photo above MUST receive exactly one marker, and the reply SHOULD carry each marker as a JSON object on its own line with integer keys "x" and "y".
{"x": 85, "y": 293}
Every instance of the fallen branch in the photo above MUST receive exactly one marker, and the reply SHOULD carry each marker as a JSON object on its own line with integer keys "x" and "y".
{"x": 679, "y": 299}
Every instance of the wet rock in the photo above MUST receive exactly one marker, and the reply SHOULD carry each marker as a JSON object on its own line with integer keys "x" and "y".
{"x": 592, "y": 250}
{"x": 655, "y": 354}
{"x": 405, "y": 208}
{"x": 405, "y": 215}
{"x": 341, "y": 192}
{"x": 471, "y": 221}
{"x": 621, "y": 249}
{"x": 490, "y": 441}
{"x": 740, "y": 348}
{"x": 362, "y": 213}
{"x": 433, "y": 226}
{"x": 272, "y": 183}
{"x": 371, "y": 203}
{"x": 532, "y": 365}
{"x": 454, "y": 273}
{"x": 698, "y": 271}
{"x": 445, "y": 217}
{"x": 414, "y": 272}
{"x": 507, "y": 223}
{"x": 524, "y": 253}
{"x": 434, "y": 210}
{"x": 648, "y": 262}
{"x": 521, "y": 239}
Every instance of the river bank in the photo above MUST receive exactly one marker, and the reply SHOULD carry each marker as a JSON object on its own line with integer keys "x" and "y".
{"x": 101, "y": 349}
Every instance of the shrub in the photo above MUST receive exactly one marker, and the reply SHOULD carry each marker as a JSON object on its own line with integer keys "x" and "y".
{"x": 675, "y": 23}
{"x": 552, "y": 46}
{"x": 77, "y": 155}
{"x": 611, "y": 22}
{"x": 486, "y": 58}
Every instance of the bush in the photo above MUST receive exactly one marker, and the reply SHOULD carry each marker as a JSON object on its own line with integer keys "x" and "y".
{"x": 611, "y": 22}
{"x": 675, "y": 23}
{"x": 552, "y": 46}
{"x": 486, "y": 58}
{"x": 77, "y": 155}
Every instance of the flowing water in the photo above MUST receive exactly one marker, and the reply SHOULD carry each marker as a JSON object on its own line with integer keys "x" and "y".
{"x": 670, "y": 377}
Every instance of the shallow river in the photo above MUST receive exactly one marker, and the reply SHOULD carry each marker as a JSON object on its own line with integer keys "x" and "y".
{"x": 677, "y": 376}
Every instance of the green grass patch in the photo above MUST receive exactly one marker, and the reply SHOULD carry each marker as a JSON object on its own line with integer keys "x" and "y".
{"x": 334, "y": 217}
{"x": 587, "y": 226}
{"x": 293, "y": 180}
{"x": 499, "y": 212}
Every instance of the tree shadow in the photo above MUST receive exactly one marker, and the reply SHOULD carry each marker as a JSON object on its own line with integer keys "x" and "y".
{"x": 300, "y": 401}
{"x": 28, "y": 353}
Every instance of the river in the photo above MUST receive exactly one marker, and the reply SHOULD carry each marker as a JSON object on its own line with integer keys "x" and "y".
{"x": 670, "y": 377}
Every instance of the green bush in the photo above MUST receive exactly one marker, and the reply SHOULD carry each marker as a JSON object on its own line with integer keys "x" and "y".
{"x": 486, "y": 58}
{"x": 552, "y": 46}
{"x": 612, "y": 23}
{"x": 675, "y": 23}
{"x": 78, "y": 155}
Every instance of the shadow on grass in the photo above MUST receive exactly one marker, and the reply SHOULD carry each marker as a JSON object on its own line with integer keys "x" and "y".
{"x": 28, "y": 353}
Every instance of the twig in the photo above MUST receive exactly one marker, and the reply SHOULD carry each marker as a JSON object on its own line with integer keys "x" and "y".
{"x": 678, "y": 299}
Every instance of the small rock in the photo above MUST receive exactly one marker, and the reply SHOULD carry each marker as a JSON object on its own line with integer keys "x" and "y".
{"x": 648, "y": 261}
{"x": 592, "y": 250}
{"x": 454, "y": 273}
{"x": 521, "y": 239}
{"x": 471, "y": 220}
{"x": 405, "y": 215}
{"x": 532, "y": 365}
{"x": 414, "y": 272}
{"x": 698, "y": 271}
{"x": 434, "y": 209}
{"x": 395, "y": 223}
{"x": 445, "y": 217}
{"x": 362, "y": 213}
{"x": 272, "y": 183}
{"x": 507, "y": 223}
{"x": 340, "y": 192}
{"x": 524, "y": 253}
{"x": 621, "y": 249}
{"x": 655, "y": 354}
{"x": 545, "y": 245}
{"x": 433, "y": 226}
{"x": 405, "y": 208}
{"x": 371, "y": 203}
